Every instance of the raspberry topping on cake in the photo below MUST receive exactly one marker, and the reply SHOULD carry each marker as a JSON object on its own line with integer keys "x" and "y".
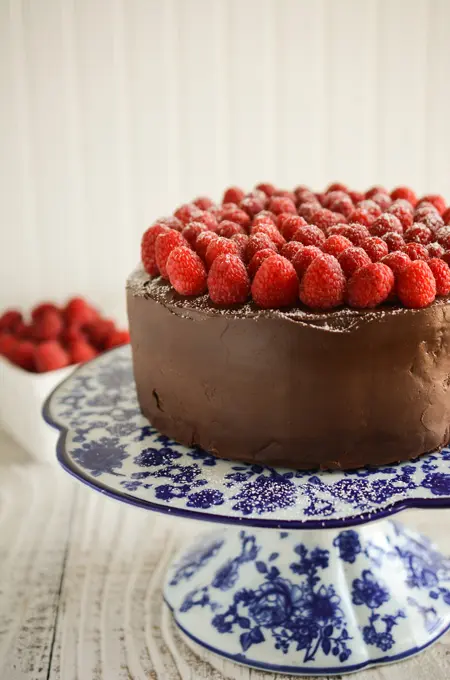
{"x": 323, "y": 284}
{"x": 275, "y": 283}
{"x": 186, "y": 271}
{"x": 370, "y": 285}
{"x": 416, "y": 285}
{"x": 228, "y": 281}
{"x": 340, "y": 247}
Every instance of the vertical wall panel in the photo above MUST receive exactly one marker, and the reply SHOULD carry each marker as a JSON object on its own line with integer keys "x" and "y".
{"x": 301, "y": 92}
{"x": 115, "y": 111}
{"x": 402, "y": 91}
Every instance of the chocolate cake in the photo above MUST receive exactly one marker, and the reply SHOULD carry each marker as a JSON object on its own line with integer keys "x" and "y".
{"x": 337, "y": 378}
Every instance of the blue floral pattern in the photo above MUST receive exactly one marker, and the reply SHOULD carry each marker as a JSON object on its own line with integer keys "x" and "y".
{"x": 317, "y": 604}
{"x": 110, "y": 441}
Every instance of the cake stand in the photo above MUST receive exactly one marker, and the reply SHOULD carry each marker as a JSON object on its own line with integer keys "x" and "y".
{"x": 297, "y": 577}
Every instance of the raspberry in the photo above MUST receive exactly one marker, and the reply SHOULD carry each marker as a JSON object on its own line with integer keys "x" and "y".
{"x": 323, "y": 284}
{"x": 285, "y": 193}
{"x": 268, "y": 188}
{"x": 352, "y": 259}
{"x": 99, "y": 331}
{"x": 227, "y": 229}
{"x": 252, "y": 205}
{"x": 304, "y": 195}
{"x": 258, "y": 242}
{"x": 203, "y": 241}
{"x": 187, "y": 213}
{"x": 208, "y": 219}
{"x": 436, "y": 200}
{"x": 442, "y": 236}
{"x": 377, "y": 189}
{"x": 324, "y": 219}
{"x": 366, "y": 212}
{"x": 375, "y": 247}
{"x": 186, "y": 271}
{"x": 396, "y": 261}
{"x": 310, "y": 236}
{"x": 78, "y": 311}
{"x": 23, "y": 331}
{"x": 335, "y": 245}
{"x": 446, "y": 216}
{"x": 415, "y": 251}
{"x": 281, "y": 204}
{"x": 416, "y": 286}
{"x": 386, "y": 223}
{"x": 165, "y": 243}
{"x": 309, "y": 209}
{"x": 272, "y": 232}
{"x": 220, "y": 246}
{"x": 343, "y": 206}
{"x": 192, "y": 231}
{"x": 435, "y": 249}
{"x": 290, "y": 250}
{"x": 42, "y": 309}
{"x": 275, "y": 283}
{"x": 170, "y": 222}
{"x": 257, "y": 260}
{"x": 10, "y": 320}
{"x": 148, "y": 246}
{"x": 357, "y": 234}
{"x": 228, "y": 281}
{"x": 431, "y": 219}
{"x": 425, "y": 209}
{"x": 404, "y": 193}
{"x": 383, "y": 200}
{"x": 370, "y": 285}
{"x": 266, "y": 216}
{"x": 331, "y": 197}
{"x": 441, "y": 273}
{"x": 7, "y": 344}
{"x": 288, "y": 224}
{"x": 304, "y": 258}
{"x": 47, "y": 326}
{"x": 237, "y": 215}
{"x": 117, "y": 339}
{"x": 81, "y": 351}
{"x": 216, "y": 211}
{"x": 404, "y": 211}
{"x": 336, "y": 186}
{"x": 340, "y": 230}
{"x": 356, "y": 196}
{"x": 241, "y": 240}
{"x": 446, "y": 257}
{"x": 393, "y": 240}
{"x": 71, "y": 334}
{"x": 418, "y": 233}
{"x": 22, "y": 355}
{"x": 233, "y": 195}
{"x": 50, "y": 355}
{"x": 257, "y": 193}
{"x": 203, "y": 202}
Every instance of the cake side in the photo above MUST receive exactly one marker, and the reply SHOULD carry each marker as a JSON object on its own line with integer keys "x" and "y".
{"x": 264, "y": 389}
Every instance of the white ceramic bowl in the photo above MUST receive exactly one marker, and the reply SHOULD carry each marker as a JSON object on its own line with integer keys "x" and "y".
{"x": 22, "y": 395}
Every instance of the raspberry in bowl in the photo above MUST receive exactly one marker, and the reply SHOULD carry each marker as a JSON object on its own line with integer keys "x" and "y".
{"x": 37, "y": 352}
{"x": 322, "y": 342}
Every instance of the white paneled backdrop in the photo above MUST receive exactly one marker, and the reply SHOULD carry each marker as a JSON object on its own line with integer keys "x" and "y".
{"x": 112, "y": 112}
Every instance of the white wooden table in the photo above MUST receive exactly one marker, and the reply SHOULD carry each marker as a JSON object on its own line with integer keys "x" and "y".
{"x": 80, "y": 586}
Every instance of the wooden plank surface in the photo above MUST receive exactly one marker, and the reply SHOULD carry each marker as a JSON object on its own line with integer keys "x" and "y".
{"x": 80, "y": 587}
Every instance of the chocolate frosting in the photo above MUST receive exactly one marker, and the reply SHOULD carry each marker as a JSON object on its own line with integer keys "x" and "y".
{"x": 294, "y": 388}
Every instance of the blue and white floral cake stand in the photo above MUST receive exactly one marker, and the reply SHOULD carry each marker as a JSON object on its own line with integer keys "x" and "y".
{"x": 303, "y": 580}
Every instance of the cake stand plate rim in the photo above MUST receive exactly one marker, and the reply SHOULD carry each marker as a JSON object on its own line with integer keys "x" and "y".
{"x": 357, "y": 518}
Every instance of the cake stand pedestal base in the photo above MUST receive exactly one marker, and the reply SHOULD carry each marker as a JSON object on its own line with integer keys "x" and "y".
{"x": 311, "y": 602}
